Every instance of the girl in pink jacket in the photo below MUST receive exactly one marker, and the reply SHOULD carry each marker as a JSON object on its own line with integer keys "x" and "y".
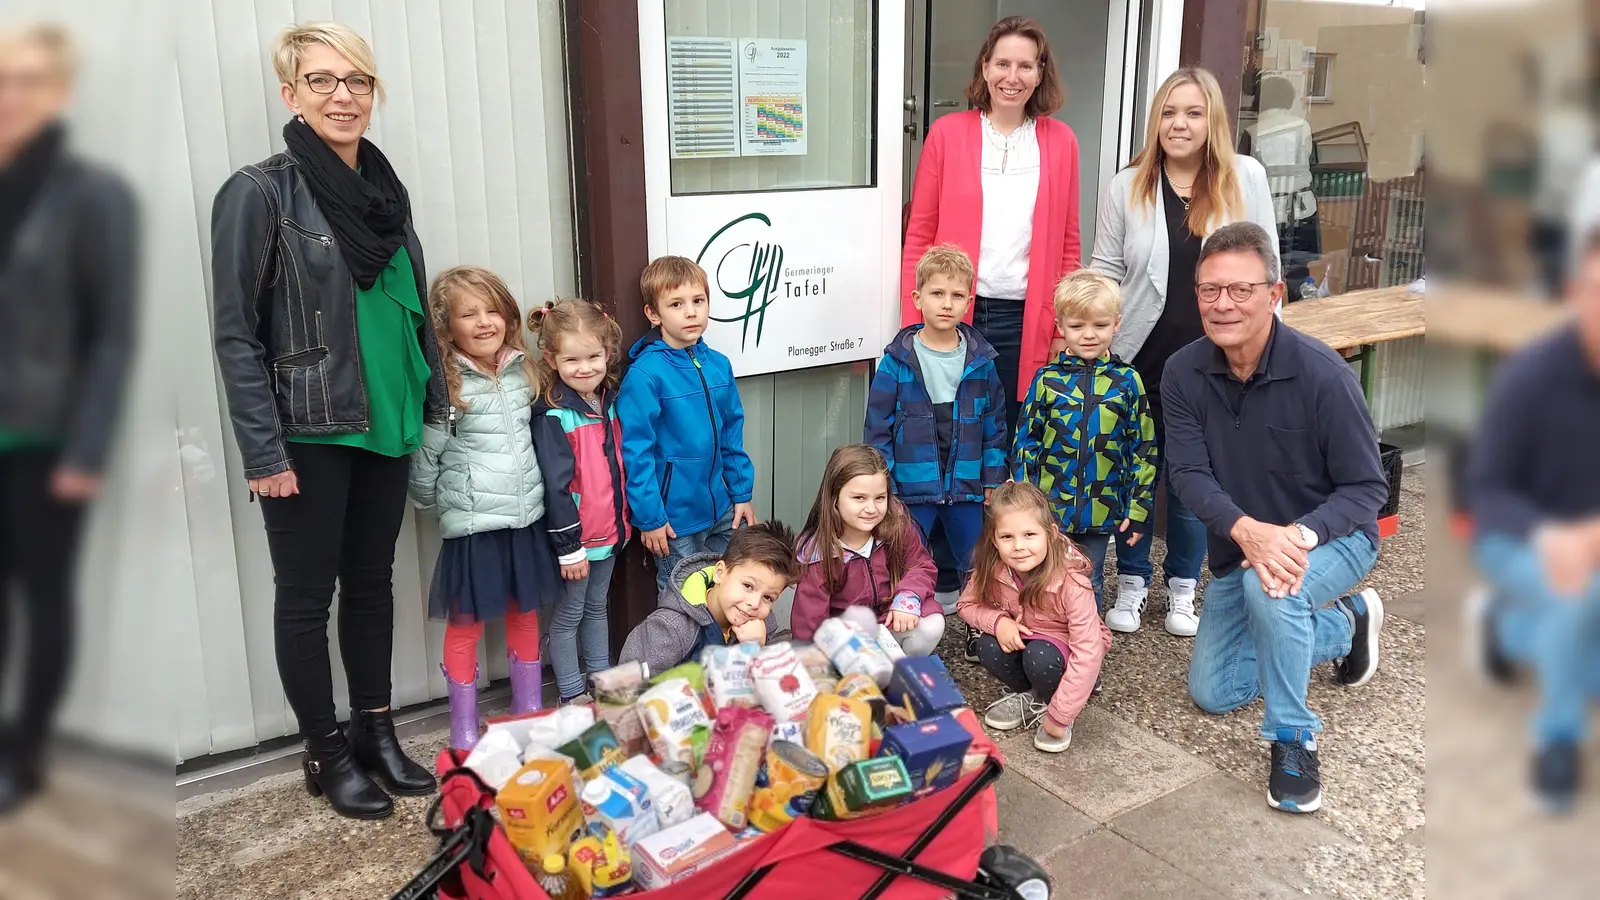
{"x": 1031, "y": 598}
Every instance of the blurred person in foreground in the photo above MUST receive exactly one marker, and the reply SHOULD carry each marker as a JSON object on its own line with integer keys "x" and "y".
{"x": 1535, "y": 499}
{"x": 67, "y": 318}
{"x": 1270, "y": 444}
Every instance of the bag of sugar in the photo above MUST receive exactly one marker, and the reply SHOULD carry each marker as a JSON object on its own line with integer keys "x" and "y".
{"x": 727, "y": 671}
{"x": 672, "y": 799}
{"x": 782, "y": 684}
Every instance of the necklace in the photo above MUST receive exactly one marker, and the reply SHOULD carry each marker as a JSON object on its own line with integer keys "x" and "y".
{"x": 1176, "y": 187}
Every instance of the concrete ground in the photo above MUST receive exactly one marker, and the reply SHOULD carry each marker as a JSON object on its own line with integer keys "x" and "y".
{"x": 1154, "y": 799}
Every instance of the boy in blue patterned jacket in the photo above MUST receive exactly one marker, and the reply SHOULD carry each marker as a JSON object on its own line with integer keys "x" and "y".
{"x": 937, "y": 409}
{"x": 1085, "y": 436}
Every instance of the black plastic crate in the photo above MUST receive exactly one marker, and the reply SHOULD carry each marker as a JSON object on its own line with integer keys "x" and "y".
{"x": 1393, "y": 467}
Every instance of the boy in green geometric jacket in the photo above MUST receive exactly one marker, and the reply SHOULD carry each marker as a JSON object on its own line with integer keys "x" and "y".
{"x": 1085, "y": 436}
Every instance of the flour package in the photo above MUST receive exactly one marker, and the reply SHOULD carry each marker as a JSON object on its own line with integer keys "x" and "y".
{"x": 672, "y": 714}
{"x": 727, "y": 671}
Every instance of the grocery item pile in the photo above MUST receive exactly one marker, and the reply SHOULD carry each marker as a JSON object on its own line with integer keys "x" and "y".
{"x": 666, "y": 775}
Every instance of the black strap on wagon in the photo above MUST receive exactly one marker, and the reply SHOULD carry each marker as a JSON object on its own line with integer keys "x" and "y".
{"x": 466, "y": 844}
{"x": 904, "y": 865}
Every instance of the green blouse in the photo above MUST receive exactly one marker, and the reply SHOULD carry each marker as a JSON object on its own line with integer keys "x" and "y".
{"x": 396, "y": 373}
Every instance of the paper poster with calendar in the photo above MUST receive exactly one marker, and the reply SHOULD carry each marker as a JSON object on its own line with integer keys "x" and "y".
{"x": 772, "y": 97}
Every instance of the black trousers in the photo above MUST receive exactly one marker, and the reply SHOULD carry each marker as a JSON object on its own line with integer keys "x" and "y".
{"x": 1038, "y": 667}
{"x": 38, "y": 555}
{"x": 341, "y": 526}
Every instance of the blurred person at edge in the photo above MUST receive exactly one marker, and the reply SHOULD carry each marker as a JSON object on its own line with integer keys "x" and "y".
{"x": 67, "y": 318}
{"x": 330, "y": 371}
{"x": 1535, "y": 498}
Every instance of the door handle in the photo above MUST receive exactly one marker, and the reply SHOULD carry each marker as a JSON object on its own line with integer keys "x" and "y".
{"x": 943, "y": 104}
{"x": 910, "y": 103}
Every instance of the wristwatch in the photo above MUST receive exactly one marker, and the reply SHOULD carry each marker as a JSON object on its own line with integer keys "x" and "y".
{"x": 1308, "y": 534}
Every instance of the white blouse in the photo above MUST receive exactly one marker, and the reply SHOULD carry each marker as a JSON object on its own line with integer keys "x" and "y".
{"x": 1010, "y": 170}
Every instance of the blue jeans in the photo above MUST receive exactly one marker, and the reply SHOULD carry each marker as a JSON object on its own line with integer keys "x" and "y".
{"x": 1000, "y": 323}
{"x": 962, "y": 523}
{"x": 1553, "y": 635}
{"x": 1185, "y": 537}
{"x": 579, "y": 627}
{"x": 712, "y": 540}
{"x": 1094, "y": 546}
{"x": 1251, "y": 645}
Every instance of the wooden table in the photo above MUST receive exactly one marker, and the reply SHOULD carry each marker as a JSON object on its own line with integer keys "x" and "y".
{"x": 1359, "y": 321}
{"x": 1489, "y": 321}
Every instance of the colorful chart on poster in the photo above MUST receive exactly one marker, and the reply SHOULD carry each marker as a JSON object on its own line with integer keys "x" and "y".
{"x": 772, "y": 97}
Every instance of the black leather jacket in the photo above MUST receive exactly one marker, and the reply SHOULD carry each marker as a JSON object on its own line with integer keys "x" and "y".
{"x": 68, "y": 314}
{"x": 285, "y": 317}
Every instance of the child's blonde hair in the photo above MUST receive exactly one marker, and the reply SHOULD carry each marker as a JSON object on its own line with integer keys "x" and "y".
{"x": 290, "y": 48}
{"x": 1084, "y": 294}
{"x": 478, "y": 282}
{"x": 552, "y": 323}
{"x": 668, "y": 272}
{"x": 947, "y": 260}
{"x": 1062, "y": 556}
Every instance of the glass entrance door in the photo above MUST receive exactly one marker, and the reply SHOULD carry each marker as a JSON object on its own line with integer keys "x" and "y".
{"x": 1097, "y": 48}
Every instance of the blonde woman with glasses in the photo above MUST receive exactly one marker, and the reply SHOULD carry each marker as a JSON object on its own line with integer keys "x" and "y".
{"x": 331, "y": 367}
{"x": 1153, "y": 217}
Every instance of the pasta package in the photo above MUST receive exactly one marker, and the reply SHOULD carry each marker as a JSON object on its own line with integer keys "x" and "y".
{"x": 733, "y": 758}
{"x": 837, "y": 730}
{"x": 782, "y": 684}
{"x": 626, "y": 725}
{"x": 858, "y": 686}
{"x": 727, "y": 672}
{"x": 850, "y": 651}
{"x": 672, "y": 713}
{"x": 922, "y": 686}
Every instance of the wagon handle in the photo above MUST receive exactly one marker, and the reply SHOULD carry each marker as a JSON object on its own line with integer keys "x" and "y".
{"x": 989, "y": 775}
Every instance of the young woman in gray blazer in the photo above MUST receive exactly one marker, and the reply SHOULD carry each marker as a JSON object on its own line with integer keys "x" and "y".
{"x": 1185, "y": 184}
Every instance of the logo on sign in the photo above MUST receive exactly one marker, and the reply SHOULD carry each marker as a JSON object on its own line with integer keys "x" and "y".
{"x": 745, "y": 267}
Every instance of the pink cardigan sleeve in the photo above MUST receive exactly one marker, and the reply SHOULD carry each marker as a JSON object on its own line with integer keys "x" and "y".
{"x": 922, "y": 226}
{"x": 975, "y": 612}
{"x": 1072, "y": 244}
{"x": 1088, "y": 641}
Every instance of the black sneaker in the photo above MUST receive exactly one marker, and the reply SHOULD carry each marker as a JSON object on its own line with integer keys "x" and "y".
{"x": 971, "y": 652}
{"x": 1295, "y": 784}
{"x": 1097, "y": 686}
{"x": 1358, "y": 667}
{"x": 1556, "y": 770}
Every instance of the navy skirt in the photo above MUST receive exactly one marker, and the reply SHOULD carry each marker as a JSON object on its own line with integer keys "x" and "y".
{"x": 481, "y": 576}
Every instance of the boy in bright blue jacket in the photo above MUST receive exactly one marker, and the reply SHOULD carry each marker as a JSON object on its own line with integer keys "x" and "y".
{"x": 937, "y": 408}
{"x": 689, "y": 479}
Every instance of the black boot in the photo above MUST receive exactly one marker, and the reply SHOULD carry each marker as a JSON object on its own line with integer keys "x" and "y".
{"x": 331, "y": 771}
{"x": 372, "y": 738}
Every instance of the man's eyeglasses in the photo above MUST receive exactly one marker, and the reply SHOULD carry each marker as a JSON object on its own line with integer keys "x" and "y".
{"x": 323, "y": 83}
{"x": 1240, "y": 291}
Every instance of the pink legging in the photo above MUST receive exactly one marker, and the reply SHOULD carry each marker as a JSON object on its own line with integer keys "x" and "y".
{"x": 461, "y": 644}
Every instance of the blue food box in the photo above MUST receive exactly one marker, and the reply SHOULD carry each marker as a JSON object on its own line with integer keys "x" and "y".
{"x": 932, "y": 750}
{"x": 923, "y": 686}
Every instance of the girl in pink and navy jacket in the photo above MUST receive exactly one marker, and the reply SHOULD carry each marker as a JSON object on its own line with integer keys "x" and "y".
{"x": 578, "y": 440}
{"x": 1030, "y": 596}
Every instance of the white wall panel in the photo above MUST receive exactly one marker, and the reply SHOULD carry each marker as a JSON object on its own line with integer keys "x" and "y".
{"x": 177, "y": 584}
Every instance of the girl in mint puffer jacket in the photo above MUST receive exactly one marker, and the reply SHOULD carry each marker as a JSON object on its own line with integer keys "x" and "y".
{"x": 478, "y": 472}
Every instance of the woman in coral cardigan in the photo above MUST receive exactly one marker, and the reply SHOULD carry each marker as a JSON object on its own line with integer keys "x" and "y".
{"x": 1001, "y": 181}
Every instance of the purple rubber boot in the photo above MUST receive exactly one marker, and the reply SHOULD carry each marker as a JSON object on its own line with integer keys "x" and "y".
{"x": 527, "y": 686}
{"x": 463, "y": 711}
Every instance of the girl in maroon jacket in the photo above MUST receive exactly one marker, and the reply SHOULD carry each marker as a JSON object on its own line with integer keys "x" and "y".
{"x": 859, "y": 547}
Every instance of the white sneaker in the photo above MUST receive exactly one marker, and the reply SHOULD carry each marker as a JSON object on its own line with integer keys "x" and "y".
{"x": 1007, "y": 713}
{"x": 1043, "y": 740}
{"x": 1131, "y": 594}
{"x": 1182, "y": 620}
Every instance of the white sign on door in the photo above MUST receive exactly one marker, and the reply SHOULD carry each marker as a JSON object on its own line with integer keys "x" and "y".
{"x": 788, "y": 291}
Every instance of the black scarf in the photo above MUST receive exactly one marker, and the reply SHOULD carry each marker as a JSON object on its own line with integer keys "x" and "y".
{"x": 21, "y": 181}
{"x": 367, "y": 210}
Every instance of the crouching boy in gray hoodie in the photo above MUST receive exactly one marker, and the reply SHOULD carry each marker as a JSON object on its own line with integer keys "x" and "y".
{"x": 716, "y": 601}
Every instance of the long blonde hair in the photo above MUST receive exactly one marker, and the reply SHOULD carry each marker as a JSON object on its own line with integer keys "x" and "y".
{"x": 1217, "y": 194}
{"x": 489, "y": 287}
{"x": 553, "y": 322}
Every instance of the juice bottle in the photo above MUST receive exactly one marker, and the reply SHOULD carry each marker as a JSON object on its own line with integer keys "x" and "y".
{"x": 556, "y": 881}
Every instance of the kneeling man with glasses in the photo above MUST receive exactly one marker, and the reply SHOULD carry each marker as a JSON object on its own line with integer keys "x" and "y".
{"x": 1270, "y": 444}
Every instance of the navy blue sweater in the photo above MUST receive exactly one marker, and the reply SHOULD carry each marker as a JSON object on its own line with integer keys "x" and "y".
{"x": 1294, "y": 443}
{"x": 1534, "y": 457}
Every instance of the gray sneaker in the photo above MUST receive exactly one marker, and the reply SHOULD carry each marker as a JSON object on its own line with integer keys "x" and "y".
{"x": 1042, "y": 740}
{"x": 1007, "y": 713}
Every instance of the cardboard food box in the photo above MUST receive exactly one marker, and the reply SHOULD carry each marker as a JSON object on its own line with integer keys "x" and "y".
{"x": 680, "y": 851}
{"x": 626, "y": 725}
{"x": 594, "y": 751}
{"x": 861, "y": 787}
{"x": 539, "y": 809}
{"x": 981, "y": 747}
{"x": 922, "y": 686}
{"x": 932, "y": 749}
